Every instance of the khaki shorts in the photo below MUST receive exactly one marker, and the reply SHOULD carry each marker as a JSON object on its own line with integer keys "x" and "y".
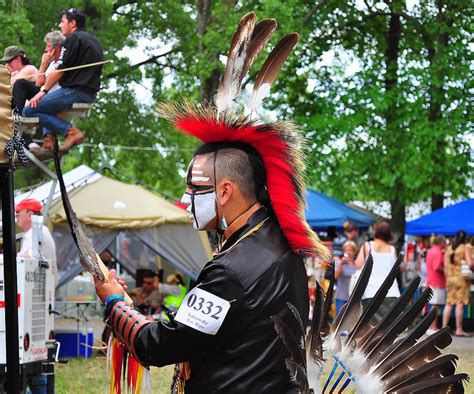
{"x": 439, "y": 296}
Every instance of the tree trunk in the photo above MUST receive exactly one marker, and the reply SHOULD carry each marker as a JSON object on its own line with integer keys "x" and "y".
{"x": 209, "y": 83}
{"x": 397, "y": 224}
{"x": 436, "y": 96}
{"x": 394, "y": 133}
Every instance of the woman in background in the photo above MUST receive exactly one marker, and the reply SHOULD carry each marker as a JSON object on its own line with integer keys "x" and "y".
{"x": 457, "y": 285}
{"x": 384, "y": 256}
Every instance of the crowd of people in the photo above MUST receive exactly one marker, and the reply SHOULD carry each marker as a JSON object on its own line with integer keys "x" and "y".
{"x": 448, "y": 270}
{"x": 46, "y": 92}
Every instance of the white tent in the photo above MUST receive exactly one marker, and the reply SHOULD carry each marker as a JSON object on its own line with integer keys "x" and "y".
{"x": 132, "y": 223}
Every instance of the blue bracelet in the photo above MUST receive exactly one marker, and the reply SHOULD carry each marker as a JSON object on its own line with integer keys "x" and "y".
{"x": 113, "y": 297}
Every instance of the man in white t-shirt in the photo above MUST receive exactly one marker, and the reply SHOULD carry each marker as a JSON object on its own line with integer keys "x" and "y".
{"x": 25, "y": 209}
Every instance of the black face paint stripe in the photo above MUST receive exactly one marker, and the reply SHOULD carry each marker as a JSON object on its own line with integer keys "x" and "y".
{"x": 193, "y": 210}
{"x": 215, "y": 188}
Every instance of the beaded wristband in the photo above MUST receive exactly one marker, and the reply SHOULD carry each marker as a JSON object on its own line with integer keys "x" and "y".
{"x": 114, "y": 297}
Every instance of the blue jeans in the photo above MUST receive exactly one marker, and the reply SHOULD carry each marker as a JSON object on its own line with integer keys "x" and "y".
{"x": 53, "y": 103}
{"x": 339, "y": 305}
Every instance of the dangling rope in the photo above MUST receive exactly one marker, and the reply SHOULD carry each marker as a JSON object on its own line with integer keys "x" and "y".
{"x": 16, "y": 144}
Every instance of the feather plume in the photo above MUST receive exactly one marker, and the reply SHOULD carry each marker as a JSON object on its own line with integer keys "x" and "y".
{"x": 229, "y": 87}
{"x": 448, "y": 384}
{"x": 416, "y": 356}
{"x": 298, "y": 376}
{"x": 262, "y": 33}
{"x": 388, "y": 319}
{"x": 87, "y": 255}
{"x": 409, "y": 340}
{"x": 270, "y": 70}
{"x": 363, "y": 325}
{"x": 442, "y": 366}
{"x": 295, "y": 346}
{"x": 399, "y": 325}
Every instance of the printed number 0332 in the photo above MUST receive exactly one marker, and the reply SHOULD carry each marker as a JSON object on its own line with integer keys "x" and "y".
{"x": 206, "y": 307}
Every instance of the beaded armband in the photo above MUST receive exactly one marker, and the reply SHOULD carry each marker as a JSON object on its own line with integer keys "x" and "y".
{"x": 126, "y": 322}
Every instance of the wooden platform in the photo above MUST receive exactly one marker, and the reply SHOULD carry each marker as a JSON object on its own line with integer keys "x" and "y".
{"x": 77, "y": 111}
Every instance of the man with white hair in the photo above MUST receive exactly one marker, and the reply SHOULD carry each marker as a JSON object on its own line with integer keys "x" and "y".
{"x": 25, "y": 89}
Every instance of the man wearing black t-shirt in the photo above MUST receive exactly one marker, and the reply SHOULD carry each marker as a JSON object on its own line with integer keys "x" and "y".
{"x": 77, "y": 86}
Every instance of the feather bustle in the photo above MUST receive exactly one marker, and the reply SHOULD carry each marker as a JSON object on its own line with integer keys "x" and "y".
{"x": 314, "y": 342}
{"x": 448, "y": 384}
{"x": 414, "y": 357}
{"x": 325, "y": 328}
{"x": 363, "y": 325}
{"x": 388, "y": 319}
{"x": 351, "y": 311}
{"x": 398, "y": 326}
{"x": 409, "y": 340}
{"x": 441, "y": 366}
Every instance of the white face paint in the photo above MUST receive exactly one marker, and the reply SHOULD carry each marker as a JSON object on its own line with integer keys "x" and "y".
{"x": 204, "y": 208}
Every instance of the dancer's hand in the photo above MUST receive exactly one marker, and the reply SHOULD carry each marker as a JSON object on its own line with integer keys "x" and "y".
{"x": 113, "y": 286}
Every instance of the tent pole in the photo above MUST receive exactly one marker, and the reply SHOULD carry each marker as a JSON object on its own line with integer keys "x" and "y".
{"x": 10, "y": 280}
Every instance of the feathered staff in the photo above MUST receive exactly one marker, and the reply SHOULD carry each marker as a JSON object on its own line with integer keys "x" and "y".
{"x": 117, "y": 357}
{"x": 371, "y": 355}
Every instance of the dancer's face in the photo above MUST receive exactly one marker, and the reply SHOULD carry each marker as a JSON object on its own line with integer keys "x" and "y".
{"x": 200, "y": 195}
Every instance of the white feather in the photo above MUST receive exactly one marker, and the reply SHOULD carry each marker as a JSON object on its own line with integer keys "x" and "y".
{"x": 255, "y": 100}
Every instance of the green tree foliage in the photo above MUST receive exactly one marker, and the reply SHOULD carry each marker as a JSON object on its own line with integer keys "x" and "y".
{"x": 381, "y": 90}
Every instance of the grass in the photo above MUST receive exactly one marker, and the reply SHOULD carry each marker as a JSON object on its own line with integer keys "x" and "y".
{"x": 89, "y": 375}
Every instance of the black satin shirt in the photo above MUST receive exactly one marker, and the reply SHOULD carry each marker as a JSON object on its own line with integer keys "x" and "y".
{"x": 258, "y": 274}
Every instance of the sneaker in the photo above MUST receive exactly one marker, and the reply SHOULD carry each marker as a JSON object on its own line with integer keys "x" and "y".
{"x": 48, "y": 141}
{"x": 73, "y": 137}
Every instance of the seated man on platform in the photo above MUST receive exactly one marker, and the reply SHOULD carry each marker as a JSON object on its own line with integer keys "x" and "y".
{"x": 76, "y": 86}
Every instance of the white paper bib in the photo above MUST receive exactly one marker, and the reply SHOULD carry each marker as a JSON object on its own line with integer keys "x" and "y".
{"x": 202, "y": 311}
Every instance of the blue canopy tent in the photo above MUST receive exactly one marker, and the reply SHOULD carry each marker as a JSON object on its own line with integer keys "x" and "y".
{"x": 446, "y": 221}
{"x": 323, "y": 211}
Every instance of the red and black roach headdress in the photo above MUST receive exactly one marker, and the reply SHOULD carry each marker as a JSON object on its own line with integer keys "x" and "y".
{"x": 279, "y": 144}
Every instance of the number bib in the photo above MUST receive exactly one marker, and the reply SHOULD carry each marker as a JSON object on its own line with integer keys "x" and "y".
{"x": 202, "y": 311}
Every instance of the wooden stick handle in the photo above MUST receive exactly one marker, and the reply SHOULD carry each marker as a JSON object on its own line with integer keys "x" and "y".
{"x": 106, "y": 273}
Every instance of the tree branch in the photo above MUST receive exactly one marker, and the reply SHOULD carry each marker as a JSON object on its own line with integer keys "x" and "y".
{"x": 312, "y": 11}
{"x": 153, "y": 59}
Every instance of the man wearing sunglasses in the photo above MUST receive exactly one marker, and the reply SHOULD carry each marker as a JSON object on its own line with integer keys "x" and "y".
{"x": 77, "y": 86}
{"x": 146, "y": 298}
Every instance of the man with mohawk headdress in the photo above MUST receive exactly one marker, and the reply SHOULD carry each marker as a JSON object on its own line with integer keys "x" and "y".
{"x": 245, "y": 184}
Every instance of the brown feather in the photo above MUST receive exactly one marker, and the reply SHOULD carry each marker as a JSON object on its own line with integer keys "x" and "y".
{"x": 230, "y": 86}
{"x": 442, "y": 366}
{"x": 414, "y": 357}
{"x": 448, "y": 384}
{"x": 87, "y": 255}
{"x": 262, "y": 33}
{"x": 272, "y": 66}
